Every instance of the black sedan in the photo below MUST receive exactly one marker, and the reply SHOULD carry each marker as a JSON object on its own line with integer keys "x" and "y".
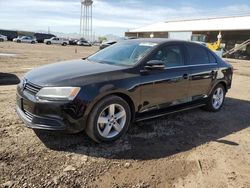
{"x": 132, "y": 80}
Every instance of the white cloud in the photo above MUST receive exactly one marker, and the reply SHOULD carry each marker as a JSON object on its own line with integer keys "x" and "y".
{"x": 63, "y": 16}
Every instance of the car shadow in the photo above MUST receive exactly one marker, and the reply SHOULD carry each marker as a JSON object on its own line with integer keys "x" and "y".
{"x": 8, "y": 79}
{"x": 158, "y": 138}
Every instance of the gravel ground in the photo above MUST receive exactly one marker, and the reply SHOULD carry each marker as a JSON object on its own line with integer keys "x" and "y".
{"x": 189, "y": 149}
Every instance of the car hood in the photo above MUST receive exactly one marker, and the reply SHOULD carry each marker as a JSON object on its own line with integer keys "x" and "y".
{"x": 69, "y": 73}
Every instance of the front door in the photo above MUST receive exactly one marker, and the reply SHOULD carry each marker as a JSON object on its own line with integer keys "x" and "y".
{"x": 169, "y": 86}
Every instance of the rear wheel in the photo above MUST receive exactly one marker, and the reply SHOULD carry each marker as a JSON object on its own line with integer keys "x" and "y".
{"x": 216, "y": 98}
{"x": 109, "y": 119}
{"x": 1, "y": 40}
{"x": 18, "y": 41}
{"x": 48, "y": 43}
{"x": 32, "y": 42}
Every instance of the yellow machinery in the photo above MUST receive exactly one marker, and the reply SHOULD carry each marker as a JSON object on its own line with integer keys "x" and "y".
{"x": 215, "y": 46}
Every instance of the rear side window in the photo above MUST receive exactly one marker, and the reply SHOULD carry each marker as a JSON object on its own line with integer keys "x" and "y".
{"x": 197, "y": 55}
{"x": 212, "y": 59}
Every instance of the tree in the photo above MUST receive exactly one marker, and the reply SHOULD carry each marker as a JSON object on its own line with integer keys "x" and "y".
{"x": 103, "y": 38}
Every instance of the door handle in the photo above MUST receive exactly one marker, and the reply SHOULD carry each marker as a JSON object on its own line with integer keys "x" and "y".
{"x": 212, "y": 73}
{"x": 185, "y": 76}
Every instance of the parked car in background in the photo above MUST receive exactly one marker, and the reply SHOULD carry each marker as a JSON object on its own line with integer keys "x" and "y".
{"x": 73, "y": 41}
{"x": 40, "y": 37}
{"x": 3, "y": 38}
{"x": 56, "y": 40}
{"x": 132, "y": 80}
{"x": 96, "y": 43}
{"x": 9, "y": 34}
{"x": 15, "y": 39}
{"x": 25, "y": 39}
{"x": 106, "y": 44}
{"x": 83, "y": 42}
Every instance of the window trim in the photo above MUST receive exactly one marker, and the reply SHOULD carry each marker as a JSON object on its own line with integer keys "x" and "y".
{"x": 197, "y": 65}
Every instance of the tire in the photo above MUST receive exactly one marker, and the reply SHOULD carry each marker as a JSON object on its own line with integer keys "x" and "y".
{"x": 214, "y": 98}
{"x": 32, "y": 42}
{"x": 114, "y": 128}
{"x": 1, "y": 40}
{"x": 64, "y": 44}
{"x": 18, "y": 41}
{"x": 48, "y": 43}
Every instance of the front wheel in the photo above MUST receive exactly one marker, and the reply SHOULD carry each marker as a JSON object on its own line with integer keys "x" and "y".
{"x": 109, "y": 119}
{"x": 216, "y": 99}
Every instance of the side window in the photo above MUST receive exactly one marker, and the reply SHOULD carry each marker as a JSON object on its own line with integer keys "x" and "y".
{"x": 212, "y": 59}
{"x": 171, "y": 55}
{"x": 197, "y": 54}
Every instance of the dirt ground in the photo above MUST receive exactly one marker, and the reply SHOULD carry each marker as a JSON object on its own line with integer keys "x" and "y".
{"x": 189, "y": 149}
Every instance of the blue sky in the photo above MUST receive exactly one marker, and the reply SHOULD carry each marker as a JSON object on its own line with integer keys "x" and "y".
{"x": 109, "y": 16}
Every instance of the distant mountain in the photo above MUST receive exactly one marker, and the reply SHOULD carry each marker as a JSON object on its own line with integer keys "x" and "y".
{"x": 112, "y": 37}
{"x": 61, "y": 34}
{"x": 76, "y": 35}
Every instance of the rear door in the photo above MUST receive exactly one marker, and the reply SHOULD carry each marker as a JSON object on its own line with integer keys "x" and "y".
{"x": 203, "y": 68}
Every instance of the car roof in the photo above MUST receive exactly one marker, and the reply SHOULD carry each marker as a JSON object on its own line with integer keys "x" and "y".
{"x": 160, "y": 41}
{"x": 156, "y": 40}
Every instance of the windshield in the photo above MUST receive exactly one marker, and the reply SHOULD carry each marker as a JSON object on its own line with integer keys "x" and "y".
{"x": 123, "y": 53}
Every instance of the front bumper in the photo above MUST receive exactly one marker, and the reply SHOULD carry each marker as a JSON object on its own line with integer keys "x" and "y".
{"x": 49, "y": 115}
{"x": 37, "y": 122}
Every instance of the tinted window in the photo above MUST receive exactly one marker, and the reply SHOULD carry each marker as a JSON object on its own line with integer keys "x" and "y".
{"x": 197, "y": 54}
{"x": 212, "y": 59}
{"x": 170, "y": 55}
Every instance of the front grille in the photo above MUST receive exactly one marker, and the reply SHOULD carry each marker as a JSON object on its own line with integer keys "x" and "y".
{"x": 28, "y": 115}
{"x": 32, "y": 88}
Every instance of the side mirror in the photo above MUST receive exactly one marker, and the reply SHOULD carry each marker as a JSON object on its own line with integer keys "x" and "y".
{"x": 155, "y": 64}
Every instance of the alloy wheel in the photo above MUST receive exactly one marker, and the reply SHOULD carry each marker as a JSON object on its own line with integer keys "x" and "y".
{"x": 218, "y": 98}
{"x": 111, "y": 121}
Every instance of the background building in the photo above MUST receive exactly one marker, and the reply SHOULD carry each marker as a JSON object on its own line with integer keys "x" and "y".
{"x": 234, "y": 30}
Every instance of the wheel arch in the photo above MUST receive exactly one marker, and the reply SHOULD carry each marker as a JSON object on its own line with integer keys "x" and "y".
{"x": 130, "y": 103}
{"x": 122, "y": 95}
{"x": 222, "y": 82}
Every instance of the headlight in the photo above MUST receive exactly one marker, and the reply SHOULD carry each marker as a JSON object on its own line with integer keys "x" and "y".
{"x": 58, "y": 93}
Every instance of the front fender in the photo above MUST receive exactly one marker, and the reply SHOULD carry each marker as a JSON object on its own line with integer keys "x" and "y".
{"x": 96, "y": 92}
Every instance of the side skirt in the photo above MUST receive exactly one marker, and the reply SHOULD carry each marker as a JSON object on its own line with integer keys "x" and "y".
{"x": 164, "y": 112}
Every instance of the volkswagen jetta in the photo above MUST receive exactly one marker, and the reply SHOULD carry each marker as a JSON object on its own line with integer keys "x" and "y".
{"x": 132, "y": 80}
